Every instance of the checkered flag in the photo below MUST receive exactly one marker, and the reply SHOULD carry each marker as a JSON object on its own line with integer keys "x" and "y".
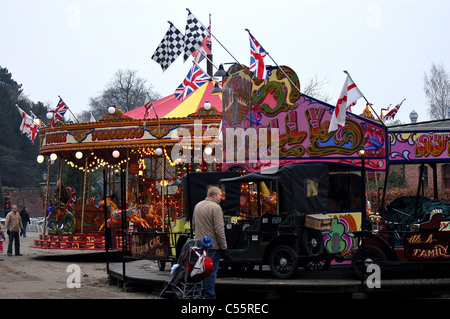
{"x": 170, "y": 48}
{"x": 194, "y": 35}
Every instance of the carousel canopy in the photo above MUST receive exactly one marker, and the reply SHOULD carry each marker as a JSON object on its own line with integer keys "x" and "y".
{"x": 169, "y": 106}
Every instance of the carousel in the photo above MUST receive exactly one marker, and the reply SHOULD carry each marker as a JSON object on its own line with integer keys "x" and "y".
{"x": 137, "y": 160}
{"x": 142, "y": 158}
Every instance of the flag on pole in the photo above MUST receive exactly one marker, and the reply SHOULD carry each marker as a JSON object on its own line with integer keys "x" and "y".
{"x": 34, "y": 128}
{"x": 391, "y": 113}
{"x": 349, "y": 95}
{"x": 148, "y": 105}
{"x": 201, "y": 53}
{"x": 170, "y": 48}
{"x": 28, "y": 126}
{"x": 26, "y": 121}
{"x": 194, "y": 79}
{"x": 193, "y": 36}
{"x": 59, "y": 112}
{"x": 257, "y": 55}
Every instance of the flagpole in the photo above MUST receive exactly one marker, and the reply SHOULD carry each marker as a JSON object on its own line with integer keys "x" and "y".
{"x": 368, "y": 103}
{"x": 147, "y": 111}
{"x": 154, "y": 108}
{"x": 151, "y": 107}
{"x": 210, "y": 61}
{"x": 217, "y": 41}
{"x": 210, "y": 77}
{"x": 289, "y": 79}
{"x": 70, "y": 111}
{"x": 209, "y": 56}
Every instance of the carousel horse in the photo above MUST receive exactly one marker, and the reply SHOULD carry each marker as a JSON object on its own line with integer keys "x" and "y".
{"x": 62, "y": 210}
{"x": 60, "y": 214}
{"x": 134, "y": 214}
{"x": 149, "y": 212}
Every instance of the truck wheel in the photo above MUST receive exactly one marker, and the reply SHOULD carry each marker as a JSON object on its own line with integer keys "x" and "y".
{"x": 283, "y": 261}
{"x": 317, "y": 264}
{"x": 365, "y": 256}
{"x": 312, "y": 242}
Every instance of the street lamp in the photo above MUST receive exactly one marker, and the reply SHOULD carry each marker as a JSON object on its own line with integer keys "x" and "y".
{"x": 220, "y": 72}
{"x": 362, "y": 156}
{"x": 216, "y": 89}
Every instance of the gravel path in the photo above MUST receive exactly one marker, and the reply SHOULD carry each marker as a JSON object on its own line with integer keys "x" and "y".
{"x": 44, "y": 274}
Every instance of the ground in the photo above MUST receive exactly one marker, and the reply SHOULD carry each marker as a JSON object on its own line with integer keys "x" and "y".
{"x": 43, "y": 274}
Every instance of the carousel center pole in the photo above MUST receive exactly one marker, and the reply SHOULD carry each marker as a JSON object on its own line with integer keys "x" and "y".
{"x": 123, "y": 218}
{"x": 126, "y": 178}
{"x": 83, "y": 197}
{"x": 47, "y": 191}
{"x": 105, "y": 214}
{"x": 60, "y": 169}
{"x": 163, "y": 191}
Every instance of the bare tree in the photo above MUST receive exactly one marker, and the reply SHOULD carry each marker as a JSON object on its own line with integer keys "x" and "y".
{"x": 313, "y": 88}
{"x": 126, "y": 91}
{"x": 437, "y": 89}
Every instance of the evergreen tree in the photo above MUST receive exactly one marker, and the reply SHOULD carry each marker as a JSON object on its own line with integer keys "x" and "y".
{"x": 18, "y": 166}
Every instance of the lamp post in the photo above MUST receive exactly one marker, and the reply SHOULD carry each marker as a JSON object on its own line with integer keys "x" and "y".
{"x": 362, "y": 156}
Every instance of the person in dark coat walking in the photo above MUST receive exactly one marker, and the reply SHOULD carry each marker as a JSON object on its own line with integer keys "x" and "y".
{"x": 25, "y": 220}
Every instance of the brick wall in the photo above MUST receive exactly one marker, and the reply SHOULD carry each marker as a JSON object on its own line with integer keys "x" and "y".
{"x": 412, "y": 173}
{"x": 32, "y": 198}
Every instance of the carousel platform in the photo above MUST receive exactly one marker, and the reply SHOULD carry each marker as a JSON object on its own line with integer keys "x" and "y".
{"x": 73, "y": 242}
{"x": 338, "y": 282}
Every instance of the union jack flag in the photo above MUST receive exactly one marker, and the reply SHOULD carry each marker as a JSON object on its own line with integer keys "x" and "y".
{"x": 194, "y": 79}
{"x": 34, "y": 128}
{"x": 59, "y": 112}
{"x": 390, "y": 113}
{"x": 257, "y": 55}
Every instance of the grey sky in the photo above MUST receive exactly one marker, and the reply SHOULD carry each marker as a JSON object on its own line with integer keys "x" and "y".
{"x": 73, "y": 48}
